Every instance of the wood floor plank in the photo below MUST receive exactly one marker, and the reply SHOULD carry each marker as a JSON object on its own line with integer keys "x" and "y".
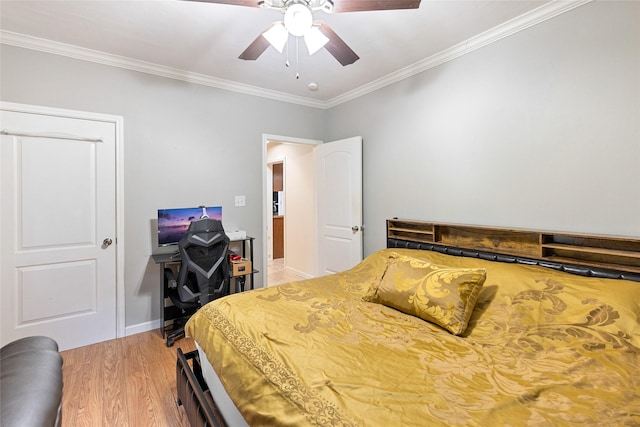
{"x": 139, "y": 396}
{"x": 114, "y": 397}
{"x": 84, "y": 399}
{"x": 126, "y": 382}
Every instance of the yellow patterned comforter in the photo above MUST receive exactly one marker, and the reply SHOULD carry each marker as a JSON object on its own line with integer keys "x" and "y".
{"x": 542, "y": 348}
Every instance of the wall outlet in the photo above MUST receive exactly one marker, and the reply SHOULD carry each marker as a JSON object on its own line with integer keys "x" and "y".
{"x": 240, "y": 201}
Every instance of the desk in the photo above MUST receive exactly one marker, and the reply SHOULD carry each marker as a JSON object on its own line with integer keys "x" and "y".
{"x": 169, "y": 312}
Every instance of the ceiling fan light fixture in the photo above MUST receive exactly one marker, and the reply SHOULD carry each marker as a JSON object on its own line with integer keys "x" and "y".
{"x": 315, "y": 40}
{"x": 277, "y": 36}
{"x": 298, "y": 19}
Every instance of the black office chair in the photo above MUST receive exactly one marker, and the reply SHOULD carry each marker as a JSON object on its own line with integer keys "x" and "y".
{"x": 203, "y": 274}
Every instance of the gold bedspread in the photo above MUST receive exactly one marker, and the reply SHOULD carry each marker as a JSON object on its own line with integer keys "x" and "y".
{"x": 542, "y": 348}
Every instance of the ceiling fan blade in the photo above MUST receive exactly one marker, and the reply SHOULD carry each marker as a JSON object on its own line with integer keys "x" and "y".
{"x": 364, "y": 5}
{"x": 257, "y": 47}
{"x": 248, "y": 3}
{"x": 337, "y": 47}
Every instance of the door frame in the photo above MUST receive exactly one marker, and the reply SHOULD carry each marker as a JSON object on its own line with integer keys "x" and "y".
{"x": 267, "y": 186}
{"x": 118, "y": 122}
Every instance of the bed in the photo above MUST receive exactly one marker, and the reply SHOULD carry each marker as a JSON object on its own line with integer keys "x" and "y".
{"x": 449, "y": 325}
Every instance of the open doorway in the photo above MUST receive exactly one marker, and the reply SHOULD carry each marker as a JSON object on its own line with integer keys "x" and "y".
{"x": 289, "y": 209}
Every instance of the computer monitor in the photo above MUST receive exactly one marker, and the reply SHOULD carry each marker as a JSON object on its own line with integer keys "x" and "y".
{"x": 174, "y": 223}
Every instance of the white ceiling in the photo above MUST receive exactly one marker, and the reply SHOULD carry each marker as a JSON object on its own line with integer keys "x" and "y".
{"x": 205, "y": 39}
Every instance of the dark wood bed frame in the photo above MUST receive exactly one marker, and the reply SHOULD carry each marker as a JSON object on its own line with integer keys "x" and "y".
{"x": 592, "y": 255}
{"x": 194, "y": 394}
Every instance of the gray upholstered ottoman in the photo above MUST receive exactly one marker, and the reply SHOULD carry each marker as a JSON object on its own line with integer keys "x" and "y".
{"x": 30, "y": 383}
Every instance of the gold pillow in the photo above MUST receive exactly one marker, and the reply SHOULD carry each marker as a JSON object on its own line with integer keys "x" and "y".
{"x": 438, "y": 294}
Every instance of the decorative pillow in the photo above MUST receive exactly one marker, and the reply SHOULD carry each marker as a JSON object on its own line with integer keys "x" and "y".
{"x": 442, "y": 295}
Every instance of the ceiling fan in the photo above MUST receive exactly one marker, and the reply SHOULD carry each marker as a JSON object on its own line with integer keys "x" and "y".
{"x": 298, "y": 21}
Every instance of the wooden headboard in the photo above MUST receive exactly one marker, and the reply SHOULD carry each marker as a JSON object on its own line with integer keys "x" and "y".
{"x": 584, "y": 254}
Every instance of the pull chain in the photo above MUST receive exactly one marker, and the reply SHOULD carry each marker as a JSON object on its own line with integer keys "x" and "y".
{"x": 286, "y": 63}
{"x": 297, "y": 58}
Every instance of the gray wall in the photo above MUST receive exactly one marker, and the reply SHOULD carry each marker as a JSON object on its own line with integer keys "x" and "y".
{"x": 541, "y": 129}
{"x": 538, "y": 130}
{"x": 184, "y": 145}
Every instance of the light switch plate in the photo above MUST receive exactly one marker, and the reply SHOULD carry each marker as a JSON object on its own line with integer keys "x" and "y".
{"x": 240, "y": 201}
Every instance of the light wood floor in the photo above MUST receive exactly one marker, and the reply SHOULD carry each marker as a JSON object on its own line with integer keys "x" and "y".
{"x": 131, "y": 381}
{"x": 277, "y": 273}
{"x": 124, "y": 382}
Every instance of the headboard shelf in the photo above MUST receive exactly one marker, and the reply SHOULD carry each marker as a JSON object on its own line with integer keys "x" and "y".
{"x": 512, "y": 242}
{"x": 592, "y": 250}
{"x": 603, "y": 265}
{"x": 411, "y": 230}
{"x": 599, "y": 251}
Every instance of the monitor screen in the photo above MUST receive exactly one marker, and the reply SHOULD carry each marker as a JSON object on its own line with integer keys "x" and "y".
{"x": 174, "y": 223}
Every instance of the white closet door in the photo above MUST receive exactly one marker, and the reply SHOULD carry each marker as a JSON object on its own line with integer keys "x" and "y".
{"x": 58, "y": 228}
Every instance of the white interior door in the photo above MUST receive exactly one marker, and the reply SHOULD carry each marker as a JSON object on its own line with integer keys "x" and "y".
{"x": 58, "y": 217}
{"x": 339, "y": 192}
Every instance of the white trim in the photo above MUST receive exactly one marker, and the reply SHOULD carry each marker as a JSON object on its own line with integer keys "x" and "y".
{"x": 142, "y": 327}
{"x": 90, "y": 55}
{"x": 522, "y": 22}
{"x": 120, "y": 226}
{"x": 299, "y": 273}
{"x": 68, "y": 137}
{"x": 506, "y": 29}
{"x": 118, "y": 121}
{"x": 288, "y": 139}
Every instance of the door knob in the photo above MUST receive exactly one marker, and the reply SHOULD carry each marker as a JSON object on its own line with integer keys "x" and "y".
{"x": 355, "y": 229}
{"x": 107, "y": 242}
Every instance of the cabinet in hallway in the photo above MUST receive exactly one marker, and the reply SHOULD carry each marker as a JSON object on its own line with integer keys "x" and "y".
{"x": 278, "y": 177}
{"x": 278, "y": 211}
{"x": 278, "y": 237}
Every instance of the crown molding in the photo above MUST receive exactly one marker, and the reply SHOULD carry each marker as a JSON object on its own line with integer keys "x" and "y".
{"x": 90, "y": 55}
{"x": 522, "y": 22}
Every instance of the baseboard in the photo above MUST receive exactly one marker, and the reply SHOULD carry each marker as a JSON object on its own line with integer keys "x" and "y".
{"x": 142, "y": 327}
{"x": 299, "y": 273}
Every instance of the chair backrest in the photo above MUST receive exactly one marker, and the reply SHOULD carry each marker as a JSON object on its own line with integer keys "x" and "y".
{"x": 204, "y": 253}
